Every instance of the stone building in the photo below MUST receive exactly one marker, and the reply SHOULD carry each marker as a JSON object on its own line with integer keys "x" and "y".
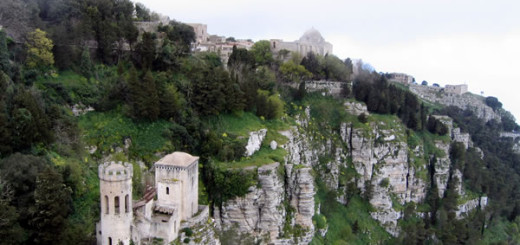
{"x": 456, "y": 89}
{"x": 159, "y": 214}
{"x": 201, "y": 32}
{"x": 401, "y": 78}
{"x": 311, "y": 41}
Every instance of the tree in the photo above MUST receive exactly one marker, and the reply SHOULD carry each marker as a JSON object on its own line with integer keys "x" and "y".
{"x": 10, "y": 229}
{"x": 39, "y": 50}
{"x": 85, "y": 65}
{"x": 334, "y": 69}
{"x": 292, "y": 72}
{"x": 29, "y": 122}
{"x": 240, "y": 58}
{"x": 5, "y": 132}
{"x": 493, "y": 103}
{"x": 53, "y": 200}
{"x": 210, "y": 98}
{"x": 424, "y": 83}
{"x": 142, "y": 12}
{"x": 262, "y": 52}
{"x": 181, "y": 35}
{"x": 144, "y": 100}
{"x": 171, "y": 102}
{"x": 4, "y": 54}
{"x": 19, "y": 172}
{"x": 312, "y": 64}
{"x": 146, "y": 50}
{"x": 269, "y": 106}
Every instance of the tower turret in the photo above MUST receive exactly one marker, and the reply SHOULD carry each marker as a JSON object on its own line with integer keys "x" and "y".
{"x": 115, "y": 188}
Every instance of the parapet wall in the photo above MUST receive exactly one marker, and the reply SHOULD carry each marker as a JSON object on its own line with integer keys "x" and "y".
{"x": 332, "y": 88}
{"x": 112, "y": 171}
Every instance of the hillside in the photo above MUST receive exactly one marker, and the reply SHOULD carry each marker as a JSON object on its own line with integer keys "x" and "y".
{"x": 294, "y": 149}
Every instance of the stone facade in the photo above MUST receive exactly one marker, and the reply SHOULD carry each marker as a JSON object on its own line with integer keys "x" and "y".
{"x": 115, "y": 190}
{"x": 311, "y": 41}
{"x": 201, "y": 32}
{"x": 456, "y": 89}
{"x": 401, "y": 78}
{"x": 463, "y": 101}
{"x": 160, "y": 212}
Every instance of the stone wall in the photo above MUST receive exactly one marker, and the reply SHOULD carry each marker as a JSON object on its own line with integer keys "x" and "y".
{"x": 465, "y": 101}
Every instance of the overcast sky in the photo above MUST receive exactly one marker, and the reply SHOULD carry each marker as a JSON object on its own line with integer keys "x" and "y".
{"x": 447, "y": 42}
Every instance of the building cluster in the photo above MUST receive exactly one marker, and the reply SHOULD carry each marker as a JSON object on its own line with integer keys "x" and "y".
{"x": 221, "y": 45}
{"x": 407, "y": 79}
{"x": 311, "y": 41}
{"x": 158, "y": 215}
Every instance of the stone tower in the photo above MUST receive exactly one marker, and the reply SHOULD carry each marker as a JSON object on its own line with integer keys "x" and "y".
{"x": 115, "y": 190}
{"x": 176, "y": 180}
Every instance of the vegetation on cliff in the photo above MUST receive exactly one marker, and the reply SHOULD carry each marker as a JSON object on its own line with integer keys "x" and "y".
{"x": 151, "y": 96}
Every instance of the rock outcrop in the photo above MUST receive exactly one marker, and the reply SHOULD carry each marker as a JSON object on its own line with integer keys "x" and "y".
{"x": 261, "y": 210}
{"x": 255, "y": 141}
{"x": 470, "y": 205}
{"x": 465, "y": 101}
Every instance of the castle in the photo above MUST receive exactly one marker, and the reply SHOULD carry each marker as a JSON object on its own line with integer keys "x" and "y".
{"x": 311, "y": 41}
{"x": 159, "y": 214}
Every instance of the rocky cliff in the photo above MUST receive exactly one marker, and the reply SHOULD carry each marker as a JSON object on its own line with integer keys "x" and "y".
{"x": 468, "y": 101}
{"x": 391, "y": 170}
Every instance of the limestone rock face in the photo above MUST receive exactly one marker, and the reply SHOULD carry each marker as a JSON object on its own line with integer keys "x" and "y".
{"x": 255, "y": 141}
{"x": 260, "y": 211}
{"x": 356, "y": 108}
{"x": 382, "y": 159}
{"x": 465, "y": 101}
{"x": 301, "y": 191}
{"x": 463, "y": 138}
{"x": 470, "y": 205}
{"x": 442, "y": 167}
{"x": 273, "y": 145}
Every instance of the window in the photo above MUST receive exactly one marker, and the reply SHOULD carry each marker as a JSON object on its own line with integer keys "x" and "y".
{"x": 116, "y": 204}
{"x": 110, "y": 241}
{"x": 106, "y": 205}
{"x": 127, "y": 202}
{"x": 167, "y": 190}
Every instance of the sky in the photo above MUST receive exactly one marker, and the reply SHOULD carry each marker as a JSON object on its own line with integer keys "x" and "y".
{"x": 471, "y": 42}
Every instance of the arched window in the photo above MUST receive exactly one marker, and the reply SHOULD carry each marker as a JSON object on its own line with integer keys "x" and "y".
{"x": 127, "y": 203}
{"x": 106, "y": 204}
{"x": 116, "y": 204}
{"x": 167, "y": 190}
{"x": 110, "y": 241}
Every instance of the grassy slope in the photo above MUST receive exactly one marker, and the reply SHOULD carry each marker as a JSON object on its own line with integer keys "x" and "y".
{"x": 241, "y": 125}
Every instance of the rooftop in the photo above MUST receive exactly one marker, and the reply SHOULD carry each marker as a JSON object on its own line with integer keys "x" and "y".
{"x": 178, "y": 158}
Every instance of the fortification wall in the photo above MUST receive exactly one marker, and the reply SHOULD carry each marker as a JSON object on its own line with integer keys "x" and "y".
{"x": 465, "y": 101}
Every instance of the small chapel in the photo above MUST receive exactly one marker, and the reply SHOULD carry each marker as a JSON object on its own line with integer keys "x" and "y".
{"x": 158, "y": 215}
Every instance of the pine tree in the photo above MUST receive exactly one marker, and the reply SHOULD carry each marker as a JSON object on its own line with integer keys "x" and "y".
{"x": 148, "y": 107}
{"x": 85, "y": 65}
{"x": 53, "y": 200}
{"x": 144, "y": 101}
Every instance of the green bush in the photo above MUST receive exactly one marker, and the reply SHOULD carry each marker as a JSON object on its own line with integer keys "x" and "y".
{"x": 187, "y": 231}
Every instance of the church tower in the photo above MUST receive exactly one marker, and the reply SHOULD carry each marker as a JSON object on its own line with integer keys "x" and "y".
{"x": 115, "y": 190}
